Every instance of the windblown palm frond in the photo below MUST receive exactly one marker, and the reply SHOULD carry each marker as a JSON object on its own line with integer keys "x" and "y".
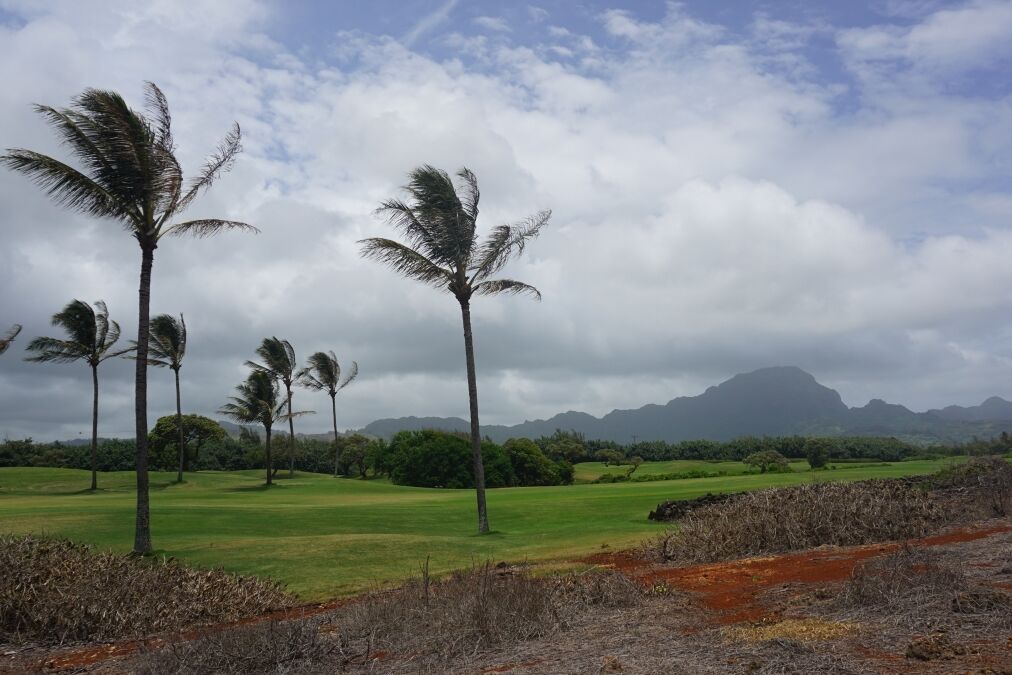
{"x": 406, "y": 261}
{"x": 258, "y": 402}
{"x": 278, "y": 359}
{"x": 324, "y": 373}
{"x": 8, "y": 338}
{"x": 506, "y": 287}
{"x": 167, "y": 341}
{"x": 91, "y": 336}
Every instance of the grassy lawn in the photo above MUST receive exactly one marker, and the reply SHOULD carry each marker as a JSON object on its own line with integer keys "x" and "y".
{"x": 586, "y": 472}
{"x": 326, "y": 537}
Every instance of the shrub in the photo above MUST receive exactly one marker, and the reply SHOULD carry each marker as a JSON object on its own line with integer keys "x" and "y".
{"x": 54, "y": 590}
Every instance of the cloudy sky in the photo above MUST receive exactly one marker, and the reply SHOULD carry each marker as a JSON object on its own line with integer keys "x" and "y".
{"x": 735, "y": 184}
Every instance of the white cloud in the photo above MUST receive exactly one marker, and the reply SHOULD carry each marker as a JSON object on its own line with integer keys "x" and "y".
{"x": 711, "y": 216}
{"x": 493, "y": 23}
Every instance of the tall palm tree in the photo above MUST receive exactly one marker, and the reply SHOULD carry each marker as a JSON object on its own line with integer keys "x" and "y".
{"x": 129, "y": 174}
{"x": 257, "y": 403}
{"x": 279, "y": 363}
{"x": 91, "y": 338}
{"x": 439, "y": 222}
{"x": 324, "y": 374}
{"x": 9, "y": 336}
{"x": 166, "y": 349}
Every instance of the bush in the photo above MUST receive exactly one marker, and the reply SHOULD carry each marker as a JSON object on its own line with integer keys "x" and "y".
{"x": 54, "y": 590}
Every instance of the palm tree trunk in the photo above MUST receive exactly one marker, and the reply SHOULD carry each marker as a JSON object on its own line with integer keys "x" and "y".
{"x": 337, "y": 450}
{"x": 142, "y": 530}
{"x": 472, "y": 393}
{"x": 267, "y": 447}
{"x": 94, "y": 428}
{"x": 179, "y": 428}
{"x": 291, "y": 435}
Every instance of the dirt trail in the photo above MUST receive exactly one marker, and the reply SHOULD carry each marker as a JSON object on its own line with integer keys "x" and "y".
{"x": 733, "y": 590}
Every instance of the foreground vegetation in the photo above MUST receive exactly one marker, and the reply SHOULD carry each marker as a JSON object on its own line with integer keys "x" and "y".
{"x": 324, "y": 536}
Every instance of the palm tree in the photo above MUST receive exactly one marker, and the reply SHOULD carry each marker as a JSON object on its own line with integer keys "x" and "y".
{"x": 8, "y": 338}
{"x": 129, "y": 174}
{"x": 324, "y": 374}
{"x": 166, "y": 349}
{"x": 258, "y": 403}
{"x": 439, "y": 223}
{"x": 280, "y": 363}
{"x": 91, "y": 338}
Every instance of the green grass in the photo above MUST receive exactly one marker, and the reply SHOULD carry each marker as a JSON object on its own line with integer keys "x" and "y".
{"x": 586, "y": 472}
{"x": 326, "y": 537}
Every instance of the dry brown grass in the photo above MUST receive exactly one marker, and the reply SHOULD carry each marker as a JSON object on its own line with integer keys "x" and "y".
{"x": 781, "y": 520}
{"x": 917, "y": 587}
{"x": 427, "y": 624}
{"x": 53, "y": 591}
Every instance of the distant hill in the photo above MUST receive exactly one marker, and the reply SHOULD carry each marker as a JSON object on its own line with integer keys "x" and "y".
{"x": 777, "y": 401}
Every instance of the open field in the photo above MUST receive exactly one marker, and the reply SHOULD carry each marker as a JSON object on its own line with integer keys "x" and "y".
{"x": 326, "y": 537}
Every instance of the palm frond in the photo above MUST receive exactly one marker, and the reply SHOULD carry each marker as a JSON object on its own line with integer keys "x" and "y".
{"x": 9, "y": 336}
{"x": 159, "y": 107}
{"x": 352, "y": 374}
{"x": 52, "y": 350}
{"x": 217, "y": 163}
{"x": 471, "y": 193}
{"x": 65, "y": 185}
{"x": 405, "y": 260}
{"x": 506, "y": 287}
{"x": 505, "y": 242}
{"x": 167, "y": 341}
{"x": 279, "y": 359}
{"x": 402, "y": 217}
{"x": 207, "y": 227}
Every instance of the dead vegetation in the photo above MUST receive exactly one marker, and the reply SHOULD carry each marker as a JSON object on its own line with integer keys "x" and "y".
{"x": 427, "y": 624}
{"x": 53, "y": 591}
{"x": 780, "y": 520}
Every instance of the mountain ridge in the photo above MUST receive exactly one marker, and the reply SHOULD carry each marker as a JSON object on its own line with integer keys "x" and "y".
{"x": 772, "y": 401}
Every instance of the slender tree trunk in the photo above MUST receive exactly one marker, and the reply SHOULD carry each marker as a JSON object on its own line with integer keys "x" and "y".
{"x": 94, "y": 428}
{"x": 337, "y": 449}
{"x": 179, "y": 428}
{"x": 270, "y": 464}
{"x": 291, "y": 435}
{"x": 472, "y": 393}
{"x": 142, "y": 531}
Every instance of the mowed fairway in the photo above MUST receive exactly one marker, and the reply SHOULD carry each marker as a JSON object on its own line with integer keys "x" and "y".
{"x": 326, "y": 537}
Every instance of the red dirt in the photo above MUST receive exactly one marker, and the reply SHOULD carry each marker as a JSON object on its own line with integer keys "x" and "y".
{"x": 79, "y": 657}
{"x": 733, "y": 589}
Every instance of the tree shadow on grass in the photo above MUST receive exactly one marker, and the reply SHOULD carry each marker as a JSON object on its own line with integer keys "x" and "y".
{"x": 255, "y": 488}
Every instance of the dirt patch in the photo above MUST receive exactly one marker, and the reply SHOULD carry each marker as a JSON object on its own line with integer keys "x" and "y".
{"x": 733, "y": 590}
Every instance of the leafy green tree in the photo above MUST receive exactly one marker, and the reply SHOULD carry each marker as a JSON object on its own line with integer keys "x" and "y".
{"x": 257, "y": 403}
{"x": 430, "y": 458}
{"x": 166, "y": 349}
{"x": 767, "y": 460}
{"x": 324, "y": 374}
{"x": 817, "y": 452}
{"x": 130, "y": 175}
{"x": 91, "y": 336}
{"x": 529, "y": 463}
{"x": 439, "y": 223}
{"x": 280, "y": 364}
{"x": 353, "y": 451}
{"x": 634, "y": 463}
{"x": 188, "y": 431}
{"x": 609, "y": 457}
{"x": 9, "y": 336}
